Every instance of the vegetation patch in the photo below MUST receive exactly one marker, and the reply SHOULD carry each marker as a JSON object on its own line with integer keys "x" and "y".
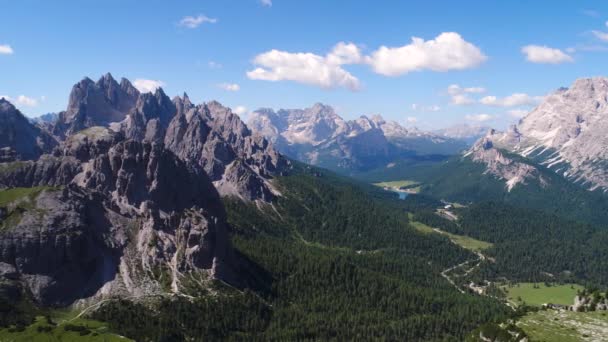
{"x": 565, "y": 326}
{"x": 16, "y": 201}
{"x": 45, "y": 329}
{"x": 461, "y": 240}
{"x": 409, "y": 185}
{"x": 537, "y": 294}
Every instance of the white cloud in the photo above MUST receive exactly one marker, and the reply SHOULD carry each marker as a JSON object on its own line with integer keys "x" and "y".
{"x": 603, "y": 36}
{"x": 230, "y": 86}
{"x": 308, "y": 68}
{"x": 461, "y": 100}
{"x": 25, "y": 101}
{"x": 147, "y": 86}
{"x": 423, "y": 108}
{"x": 455, "y": 89}
{"x": 411, "y": 119}
{"x": 241, "y": 111}
{"x": 267, "y": 3}
{"x": 448, "y": 51}
{"x": 517, "y": 99}
{"x": 479, "y": 117}
{"x": 345, "y": 53}
{"x": 517, "y": 113}
{"x": 460, "y": 94}
{"x": 214, "y": 65}
{"x": 545, "y": 54}
{"x": 6, "y": 50}
{"x": 194, "y": 22}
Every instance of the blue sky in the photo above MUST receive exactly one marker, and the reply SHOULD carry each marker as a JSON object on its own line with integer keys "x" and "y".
{"x": 211, "y": 50}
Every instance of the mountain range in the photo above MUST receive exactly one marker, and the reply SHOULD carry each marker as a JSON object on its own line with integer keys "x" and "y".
{"x": 319, "y": 136}
{"x": 127, "y": 186}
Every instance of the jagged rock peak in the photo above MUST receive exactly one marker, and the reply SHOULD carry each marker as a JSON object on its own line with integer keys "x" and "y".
{"x": 19, "y": 138}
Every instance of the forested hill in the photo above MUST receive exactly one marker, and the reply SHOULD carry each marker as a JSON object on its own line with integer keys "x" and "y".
{"x": 528, "y": 245}
{"x": 459, "y": 179}
{"x": 331, "y": 260}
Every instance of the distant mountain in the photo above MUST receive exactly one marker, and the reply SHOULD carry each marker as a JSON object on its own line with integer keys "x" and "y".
{"x": 566, "y": 133}
{"x": 19, "y": 138}
{"x": 465, "y": 132}
{"x": 319, "y": 136}
{"x": 47, "y": 118}
{"x": 554, "y": 159}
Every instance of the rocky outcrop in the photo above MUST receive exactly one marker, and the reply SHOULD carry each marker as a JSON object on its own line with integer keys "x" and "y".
{"x": 500, "y": 165}
{"x": 567, "y": 133}
{"x": 209, "y": 135}
{"x": 238, "y": 162}
{"x": 98, "y": 103}
{"x": 318, "y": 135}
{"x": 19, "y": 138}
{"x": 105, "y": 216}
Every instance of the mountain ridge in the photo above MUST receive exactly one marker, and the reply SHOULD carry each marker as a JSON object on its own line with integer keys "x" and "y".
{"x": 318, "y": 135}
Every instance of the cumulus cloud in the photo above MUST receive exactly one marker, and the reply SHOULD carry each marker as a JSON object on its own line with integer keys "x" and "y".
{"x": 411, "y": 119}
{"x": 461, "y": 100}
{"x": 479, "y": 117}
{"x": 22, "y": 100}
{"x": 517, "y": 113}
{"x": 448, "y": 51}
{"x": 423, "y": 108}
{"x": 345, "y": 53}
{"x": 517, "y": 99}
{"x": 147, "y": 86}
{"x": 230, "y": 86}
{"x": 460, "y": 94}
{"x": 308, "y": 68}
{"x": 6, "y": 49}
{"x": 267, "y": 3}
{"x": 545, "y": 54}
{"x": 194, "y": 22}
{"x": 26, "y": 101}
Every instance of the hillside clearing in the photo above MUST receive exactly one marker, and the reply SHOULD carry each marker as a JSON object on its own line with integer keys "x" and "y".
{"x": 463, "y": 241}
{"x": 555, "y": 294}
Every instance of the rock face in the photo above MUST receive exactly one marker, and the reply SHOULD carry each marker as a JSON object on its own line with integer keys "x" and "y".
{"x": 96, "y": 104}
{"x": 115, "y": 217}
{"x": 239, "y": 163}
{"x": 567, "y": 133}
{"x": 317, "y": 135}
{"x": 20, "y": 139}
{"x": 500, "y": 165}
{"x": 122, "y": 198}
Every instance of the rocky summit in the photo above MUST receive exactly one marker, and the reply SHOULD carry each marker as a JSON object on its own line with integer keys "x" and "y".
{"x": 239, "y": 163}
{"x": 318, "y": 135}
{"x": 566, "y": 133}
{"x": 120, "y": 196}
{"x": 105, "y": 216}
